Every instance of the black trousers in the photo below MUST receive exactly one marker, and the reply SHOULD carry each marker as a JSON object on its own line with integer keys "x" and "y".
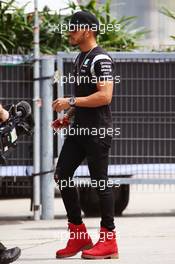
{"x": 96, "y": 150}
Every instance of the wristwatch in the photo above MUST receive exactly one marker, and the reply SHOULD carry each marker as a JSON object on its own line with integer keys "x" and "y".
{"x": 72, "y": 101}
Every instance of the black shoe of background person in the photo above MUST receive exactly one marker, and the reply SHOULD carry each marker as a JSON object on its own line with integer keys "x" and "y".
{"x": 9, "y": 255}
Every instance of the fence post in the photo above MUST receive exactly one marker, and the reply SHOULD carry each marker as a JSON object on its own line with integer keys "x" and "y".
{"x": 47, "y": 182}
{"x": 36, "y": 110}
{"x": 60, "y": 93}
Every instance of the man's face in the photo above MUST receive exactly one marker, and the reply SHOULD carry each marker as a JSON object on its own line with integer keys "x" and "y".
{"x": 77, "y": 37}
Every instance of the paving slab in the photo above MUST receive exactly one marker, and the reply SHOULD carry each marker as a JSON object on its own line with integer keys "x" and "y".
{"x": 145, "y": 232}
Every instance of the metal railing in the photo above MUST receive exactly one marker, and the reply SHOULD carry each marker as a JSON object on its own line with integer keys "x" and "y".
{"x": 16, "y": 84}
{"x": 143, "y": 107}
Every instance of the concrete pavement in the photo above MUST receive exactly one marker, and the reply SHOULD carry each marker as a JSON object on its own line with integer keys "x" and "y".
{"x": 146, "y": 232}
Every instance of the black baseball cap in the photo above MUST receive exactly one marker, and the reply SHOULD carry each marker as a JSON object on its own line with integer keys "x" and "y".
{"x": 84, "y": 19}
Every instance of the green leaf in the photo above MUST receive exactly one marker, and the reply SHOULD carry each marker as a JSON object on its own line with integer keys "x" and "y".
{"x": 167, "y": 12}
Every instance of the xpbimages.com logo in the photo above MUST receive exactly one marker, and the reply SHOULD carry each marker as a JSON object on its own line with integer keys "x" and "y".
{"x": 101, "y": 184}
{"x": 70, "y": 78}
{"x": 80, "y": 79}
{"x": 64, "y": 235}
{"x": 102, "y": 28}
{"x": 101, "y": 132}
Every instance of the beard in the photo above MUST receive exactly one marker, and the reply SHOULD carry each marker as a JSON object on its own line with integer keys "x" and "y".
{"x": 73, "y": 44}
{"x": 76, "y": 42}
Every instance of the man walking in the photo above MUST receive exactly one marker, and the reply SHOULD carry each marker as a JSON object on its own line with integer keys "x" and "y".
{"x": 93, "y": 70}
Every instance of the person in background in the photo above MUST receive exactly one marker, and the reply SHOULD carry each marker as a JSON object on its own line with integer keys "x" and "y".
{"x": 4, "y": 114}
{"x": 12, "y": 254}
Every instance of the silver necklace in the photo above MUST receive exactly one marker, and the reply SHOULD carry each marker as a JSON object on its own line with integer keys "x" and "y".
{"x": 77, "y": 64}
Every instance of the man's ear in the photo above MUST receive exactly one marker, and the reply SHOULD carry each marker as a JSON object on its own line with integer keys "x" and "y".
{"x": 86, "y": 34}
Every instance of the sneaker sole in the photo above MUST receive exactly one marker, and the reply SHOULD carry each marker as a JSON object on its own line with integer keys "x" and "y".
{"x": 111, "y": 256}
{"x": 71, "y": 255}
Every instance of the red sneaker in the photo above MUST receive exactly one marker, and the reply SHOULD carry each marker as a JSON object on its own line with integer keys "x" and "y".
{"x": 106, "y": 247}
{"x": 79, "y": 240}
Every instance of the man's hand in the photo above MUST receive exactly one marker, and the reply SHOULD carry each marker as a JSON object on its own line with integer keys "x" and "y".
{"x": 60, "y": 104}
{"x": 4, "y": 114}
{"x": 60, "y": 123}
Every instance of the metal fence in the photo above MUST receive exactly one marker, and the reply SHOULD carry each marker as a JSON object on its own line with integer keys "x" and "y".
{"x": 143, "y": 107}
{"x": 16, "y": 84}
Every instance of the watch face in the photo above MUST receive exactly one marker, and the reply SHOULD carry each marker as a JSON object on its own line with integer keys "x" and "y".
{"x": 72, "y": 101}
